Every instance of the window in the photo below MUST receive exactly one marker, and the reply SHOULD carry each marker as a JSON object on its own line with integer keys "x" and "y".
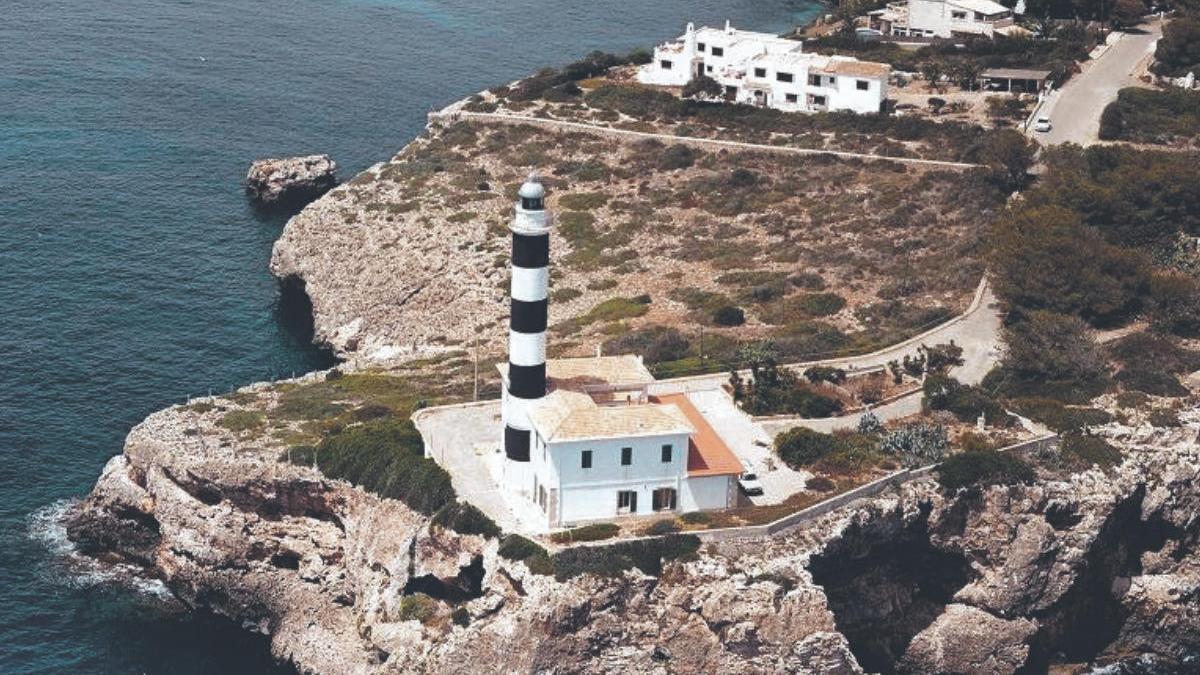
{"x": 663, "y": 499}
{"x": 814, "y": 80}
{"x": 666, "y": 453}
{"x": 958, "y": 15}
{"x": 700, "y": 46}
{"x": 665, "y": 64}
{"x": 818, "y": 100}
{"x": 862, "y": 85}
{"x": 760, "y": 72}
{"x": 718, "y": 51}
{"x": 784, "y": 77}
{"x": 708, "y": 68}
{"x": 542, "y": 497}
{"x": 585, "y": 460}
{"x": 626, "y": 456}
{"x": 626, "y": 501}
{"x": 791, "y": 98}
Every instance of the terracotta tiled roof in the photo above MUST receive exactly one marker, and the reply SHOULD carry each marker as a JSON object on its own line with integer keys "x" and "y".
{"x": 707, "y": 453}
{"x": 570, "y": 416}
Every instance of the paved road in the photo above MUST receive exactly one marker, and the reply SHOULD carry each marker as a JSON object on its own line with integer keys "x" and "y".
{"x": 1075, "y": 110}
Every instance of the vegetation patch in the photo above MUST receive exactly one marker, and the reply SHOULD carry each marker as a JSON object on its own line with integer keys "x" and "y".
{"x": 647, "y": 555}
{"x": 1167, "y": 117}
{"x": 983, "y": 468}
{"x": 239, "y": 421}
{"x": 1082, "y": 451}
{"x": 465, "y": 518}
{"x": 798, "y": 307}
{"x": 593, "y": 532}
{"x": 516, "y": 547}
{"x": 385, "y": 457}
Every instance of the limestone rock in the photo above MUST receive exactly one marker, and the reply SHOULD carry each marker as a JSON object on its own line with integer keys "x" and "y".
{"x": 290, "y": 181}
{"x": 970, "y": 641}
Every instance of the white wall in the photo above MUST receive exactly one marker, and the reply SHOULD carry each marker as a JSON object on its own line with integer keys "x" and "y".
{"x": 704, "y": 493}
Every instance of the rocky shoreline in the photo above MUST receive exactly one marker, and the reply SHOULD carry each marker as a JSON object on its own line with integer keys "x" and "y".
{"x": 1091, "y": 568}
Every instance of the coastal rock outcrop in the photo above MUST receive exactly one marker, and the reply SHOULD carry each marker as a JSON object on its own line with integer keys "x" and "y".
{"x": 290, "y": 182}
{"x": 1087, "y": 568}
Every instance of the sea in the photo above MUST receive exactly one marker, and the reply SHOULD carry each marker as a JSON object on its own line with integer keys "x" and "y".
{"x": 133, "y": 273}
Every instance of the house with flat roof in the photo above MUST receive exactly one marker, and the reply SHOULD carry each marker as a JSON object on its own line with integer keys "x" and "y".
{"x": 768, "y": 71}
{"x": 583, "y": 438}
{"x": 943, "y": 19}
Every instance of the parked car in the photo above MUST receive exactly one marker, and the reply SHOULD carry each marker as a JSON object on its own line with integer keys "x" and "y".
{"x": 1042, "y": 124}
{"x": 748, "y": 483}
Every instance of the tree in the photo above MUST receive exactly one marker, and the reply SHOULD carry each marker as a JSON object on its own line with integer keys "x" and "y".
{"x": 1009, "y": 155}
{"x": 1043, "y": 258}
{"x": 1126, "y": 13}
{"x": 1055, "y": 348}
{"x": 932, "y": 72}
{"x": 936, "y": 104}
{"x": 1179, "y": 49}
{"x": 966, "y": 74}
{"x": 702, "y": 85}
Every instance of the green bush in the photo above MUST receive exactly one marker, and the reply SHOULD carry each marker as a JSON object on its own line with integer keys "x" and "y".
{"x": 593, "y": 532}
{"x": 696, "y": 518}
{"x": 461, "y": 617}
{"x": 728, "y": 315}
{"x": 385, "y": 457}
{"x": 465, "y": 518}
{"x": 1165, "y": 417}
{"x": 1151, "y": 363}
{"x": 1083, "y": 451}
{"x": 239, "y": 421}
{"x": 983, "y": 469}
{"x": 802, "y": 447}
{"x": 966, "y": 402}
{"x": 516, "y": 547}
{"x": 818, "y": 374}
{"x": 1059, "y": 417}
{"x": 916, "y": 444}
{"x": 417, "y": 607}
{"x": 677, "y": 156}
{"x": 648, "y": 555}
{"x": 660, "y": 527}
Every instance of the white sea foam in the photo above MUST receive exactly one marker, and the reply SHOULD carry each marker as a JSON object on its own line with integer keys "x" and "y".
{"x": 48, "y": 526}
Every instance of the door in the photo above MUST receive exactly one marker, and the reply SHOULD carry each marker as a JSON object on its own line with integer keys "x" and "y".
{"x": 626, "y": 501}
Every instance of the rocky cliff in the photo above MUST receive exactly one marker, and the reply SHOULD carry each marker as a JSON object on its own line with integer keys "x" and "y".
{"x": 1088, "y": 568}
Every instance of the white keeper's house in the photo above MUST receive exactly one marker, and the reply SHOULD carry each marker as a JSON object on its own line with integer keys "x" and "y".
{"x": 584, "y": 438}
{"x": 768, "y": 71}
{"x": 944, "y": 19}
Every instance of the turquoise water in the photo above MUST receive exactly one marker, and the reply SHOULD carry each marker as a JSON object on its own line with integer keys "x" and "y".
{"x": 132, "y": 272}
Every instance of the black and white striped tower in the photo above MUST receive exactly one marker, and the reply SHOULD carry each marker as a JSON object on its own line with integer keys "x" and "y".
{"x": 527, "y": 327}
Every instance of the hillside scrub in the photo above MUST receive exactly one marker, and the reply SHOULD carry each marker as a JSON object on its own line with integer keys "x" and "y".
{"x": 385, "y": 457}
{"x": 1168, "y": 117}
{"x": 983, "y": 468}
{"x": 1178, "y": 52}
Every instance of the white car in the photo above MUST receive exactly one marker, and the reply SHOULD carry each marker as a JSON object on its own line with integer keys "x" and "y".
{"x": 1042, "y": 124}
{"x": 748, "y": 483}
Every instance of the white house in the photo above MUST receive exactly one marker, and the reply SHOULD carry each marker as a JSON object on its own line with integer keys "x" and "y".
{"x": 944, "y": 18}
{"x": 601, "y": 447}
{"x": 583, "y": 439}
{"x": 765, "y": 70}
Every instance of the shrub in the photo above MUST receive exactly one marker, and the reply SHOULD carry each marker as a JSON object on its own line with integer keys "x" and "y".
{"x": 1084, "y": 450}
{"x": 385, "y": 457}
{"x": 808, "y": 281}
{"x": 516, "y": 547}
{"x": 647, "y": 555}
{"x": 801, "y": 447}
{"x": 869, "y": 424}
{"x": 1151, "y": 363}
{"x": 1059, "y": 417}
{"x": 702, "y": 85}
{"x": 916, "y": 444}
{"x": 966, "y": 402}
{"x": 583, "y": 201}
{"x": 1165, "y": 417}
{"x": 593, "y": 532}
{"x": 565, "y": 294}
{"x": 982, "y": 469}
{"x": 616, "y": 309}
{"x": 821, "y": 484}
{"x": 728, "y": 315}
{"x": 239, "y": 421}
{"x": 417, "y": 607}
{"x": 818, "y": 374}
{"x": 677, "y": 156}
{"x": 696, "y": 518}
{"x": 942, "y": 357}
{"x": 465, "y": 518}
{"x": 461, "y": 617}
{"x": 660, "y": 527}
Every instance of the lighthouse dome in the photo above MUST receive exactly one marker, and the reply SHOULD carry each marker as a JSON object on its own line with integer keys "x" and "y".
{"x": 532, "y": 188}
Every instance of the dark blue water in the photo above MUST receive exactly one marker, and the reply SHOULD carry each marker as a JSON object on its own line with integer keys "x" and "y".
{"x": 132, "y": 272}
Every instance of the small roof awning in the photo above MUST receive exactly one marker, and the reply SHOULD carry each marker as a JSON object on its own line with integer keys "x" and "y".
{"x": 1015, "y": 74}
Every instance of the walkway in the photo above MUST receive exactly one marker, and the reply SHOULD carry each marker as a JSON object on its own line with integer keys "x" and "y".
{"x": 1075, "y": 110}
{"x": 453, "y": 114}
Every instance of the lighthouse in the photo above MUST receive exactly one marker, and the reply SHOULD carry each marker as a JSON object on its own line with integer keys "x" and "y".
{"x": 526, "y": 381}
